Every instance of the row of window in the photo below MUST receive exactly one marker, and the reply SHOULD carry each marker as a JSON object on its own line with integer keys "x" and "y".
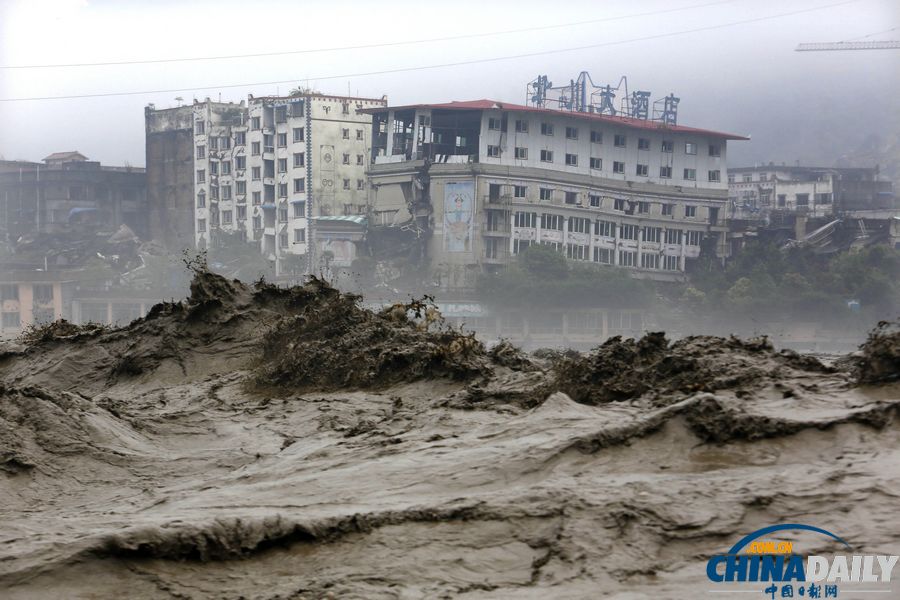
{"x": 627, "y": 258}
{"x": 641, "y": 170}
{"x": 299, "y": 234}
{"x": 619, "y": 204}
{"x": 619, "y": 140}
{"x": 608, "y": 228}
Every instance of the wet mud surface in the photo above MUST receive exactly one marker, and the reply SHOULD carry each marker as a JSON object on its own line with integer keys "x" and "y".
{"x": 254, "y": 442}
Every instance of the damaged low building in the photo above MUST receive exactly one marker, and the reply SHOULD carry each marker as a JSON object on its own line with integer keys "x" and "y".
{"x": 469, "y": 185}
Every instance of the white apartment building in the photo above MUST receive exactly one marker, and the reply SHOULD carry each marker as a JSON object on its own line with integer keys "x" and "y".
{"x": 487, "y": 179}
{"x": 268, "y": 168}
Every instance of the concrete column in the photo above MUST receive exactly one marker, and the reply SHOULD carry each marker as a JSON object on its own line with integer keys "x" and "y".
{"x": 615, "y": 254}
{"x": 26, "y": 304}
{"x": 592, "y": 227}
{"x": 389, "y": 127}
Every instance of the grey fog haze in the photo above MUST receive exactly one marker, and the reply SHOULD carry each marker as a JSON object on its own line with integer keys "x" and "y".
{"x": 745, "y": 78}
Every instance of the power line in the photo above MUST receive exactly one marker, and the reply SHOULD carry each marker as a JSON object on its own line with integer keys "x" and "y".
{"x": 367, "y": 46}
{"x": 868, "y": 35}
{"x": 443, "y": 65}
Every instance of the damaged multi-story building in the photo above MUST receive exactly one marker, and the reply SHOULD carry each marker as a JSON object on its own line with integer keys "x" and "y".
{"x": 265, "y": 170}
{"x": 826, "y": 206}
{"x": 473, "y": 184}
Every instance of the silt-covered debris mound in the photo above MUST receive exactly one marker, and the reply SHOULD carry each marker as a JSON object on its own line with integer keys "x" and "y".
{"x": 880, "y": 355}
{"x": 626, "y": 369}
{"x": 333, "y": 343}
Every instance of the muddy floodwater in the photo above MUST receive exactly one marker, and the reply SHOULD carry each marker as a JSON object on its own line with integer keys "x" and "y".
{"x": 257, "y": 442}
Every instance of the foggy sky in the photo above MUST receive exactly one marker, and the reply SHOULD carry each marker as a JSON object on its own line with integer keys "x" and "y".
{"x": 744, "y": 79}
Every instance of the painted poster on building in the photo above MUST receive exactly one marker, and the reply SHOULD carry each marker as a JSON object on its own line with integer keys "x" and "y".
{"x": 459, "y": 216}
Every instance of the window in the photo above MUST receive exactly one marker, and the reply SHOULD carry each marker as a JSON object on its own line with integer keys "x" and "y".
{"x": 255, "y": 173}
{"x": 690, "y": 174}
{"x": 521, "y": 153}
{"x": 345, "y": 134}
{"x": 282, "y": 190}
{"x": 299, "y": 236}
{"x": 493, "y": 151}
{"x": 627, "y": 259}
{"x": 715, "y": 150}
{"x": 214, "y": 192}
{"x": 652, "y": 234}
{"x": 240, "y": 162}
{"x": 571, "y": 133}
{"x": 571, "y": 197}
{"x": 579, "y": 225}
{"x": 572, "y": 160}
{"x": 360, "y": 184}
{"x": 665, "y": 172}
{"x": 299, "y": 134}
{"x": 282, "y": 240}
{"x": 643, "y": 207}
{"x": 360, "y": 160}
{"x": 257, "y": 198}
{"x": 213, "y": 142}
{"x": 690, "y": 211}
{"x": 201, "y": 199}
{"x": 546, "y": 129}
{"x": 762, "y": 177}
{"x": 200, "y": 127}
{"x": 605, "y": 228}
{"x": 668, "y": 146}
{"x": 731, "y": 179}
{"x": 520, "y": 246}
{"x": 359, "y": 134}
{"x": 201, "y": 176}
{"x": 747, "y": 178}
{"x": 577, "y": 252}
{"x": 549, "y": 221}
{"x": 649, "y": 261}
{"x": 346, "y": 184}
{"x": 715, "y": 176}
{"x": 642, "y": 170}
{"x": 521, "y": 126}
{"x": 494, "y": 123}
{"x": 596, "y": 163}
{"x": 619, "y": 140}
{"x": 525, "y": 219}
{"x": 628, "y": 232}
{"x": 519, "y": 191}
{"x": 257, "y": 222}
{"x": 673, "y": 236}
{"x": 226, "y": 217}
{"x": 299, "y": 185}
{"x": 346, "y": 159}
{"x": 619, "y": 204}
{"x": 226, "y": 167}
{"x": 201, "y": 152}
{"x": 299, "y": 159}
{"x": 594, "y": 200}
{"x": 254, "y": 148}
{"x": 282, "y": 140}
{"x": 226, "y": 192}
{"x": 546, "y": 156}
{"x": 643, "y": 144}
{"x": 693, "y": 238}
{"x": 668, "y": 210}
{"x": 670, "y": 263}
{"x": 782, "y": 200}
{"x": 213, "y": 167}
{"x": 255, "y": 123}
{"x": 491, "y": 248}
{"x": 268, "y": 142}
{"x": 802, "y": 199}
{"x": 240, "y": 138}
{"x": 282, "y": 165}
{"x": 546, "y": 193}
{"x": 201, "y": 225}
{"x": 596, "y": 137}
{"x": 241, "y": 187}
{"x": 345, "y": 108}
{"x": 618, "y": 167}
{"x": 690, "y": 148}
{"x": 299, "y": 209}
{"x": 603, "y": 256}
{"x": 241, "y": 212}
{"x": 823, "y": 198}
{"x": 282, "y": 215}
